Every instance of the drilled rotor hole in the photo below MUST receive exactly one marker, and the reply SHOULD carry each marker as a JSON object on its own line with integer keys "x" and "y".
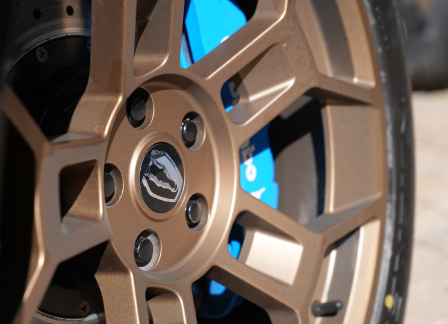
{"x": 37, "y": 14}
{"x": 196, "y": 212}
{"x": 70, "y": 10}
{"x": 113, "y": 184}
{"x": 139, "y": 108}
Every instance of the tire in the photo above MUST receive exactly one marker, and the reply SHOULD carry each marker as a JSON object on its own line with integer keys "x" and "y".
{"x": 327, "y": 240}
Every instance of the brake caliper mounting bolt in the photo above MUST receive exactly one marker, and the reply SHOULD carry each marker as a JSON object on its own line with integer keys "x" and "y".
{"x": 193, "y": 212}
{"x": 42, "y": 54}
{"x": 189, "y": 131}
{"x": 143, "y": 251}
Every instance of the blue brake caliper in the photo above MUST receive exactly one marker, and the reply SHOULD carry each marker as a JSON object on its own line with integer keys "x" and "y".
{"x": 209, "y": 23}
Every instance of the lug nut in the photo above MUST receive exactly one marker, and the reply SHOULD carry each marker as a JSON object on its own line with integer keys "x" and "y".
{"x": 109, "y": 186}
{"x": 189, "y": 131}
{"x": 193, "y": 212}
{"x": 143, "y": 251}
{"x": 137, "y": 112}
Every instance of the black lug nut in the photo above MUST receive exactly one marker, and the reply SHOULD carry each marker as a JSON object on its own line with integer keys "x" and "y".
{"x": 193, "y": 212}
{"x": 109, "y": 186}
{"x": 143, "y": 251}
{"x": 329, "y": 308}
{"x": 189, "y": 131}
{"x": 137, "y": 110}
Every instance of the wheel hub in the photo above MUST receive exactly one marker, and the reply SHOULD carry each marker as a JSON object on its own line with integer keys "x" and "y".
{"x": 170, "y": 186}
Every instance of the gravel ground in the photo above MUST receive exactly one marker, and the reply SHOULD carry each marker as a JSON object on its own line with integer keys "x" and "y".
{"x": 428, "y": 295}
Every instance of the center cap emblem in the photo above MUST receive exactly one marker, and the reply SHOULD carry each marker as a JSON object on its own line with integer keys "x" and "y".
{"x": 161, "y": 177}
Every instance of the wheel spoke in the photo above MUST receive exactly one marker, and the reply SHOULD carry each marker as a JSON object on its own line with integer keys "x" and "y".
{"x": 266, "y": 214}
{"x": 85, "y": 235}
{"x": 241, "y": 132}
{"x": 17, "y": 114}
{"x": 244, "y": 280}
{"x": 83, "y": 226}
{"x": 330, "y": 87}
{"x": 306, "y": 279}
{"x": 241, "y": 48}
{"x": 170, "y": 307}
{"x": 124, "y": 298}
{"x": 41, "y": 270}
{"x": 334, "y": 226}
{"x": 251, "y": 115}
{"x": 111, "y": 76}
{"x": 160, "y": 41}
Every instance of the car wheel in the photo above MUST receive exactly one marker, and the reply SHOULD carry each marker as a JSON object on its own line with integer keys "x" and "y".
{"x": 218, "y": 161}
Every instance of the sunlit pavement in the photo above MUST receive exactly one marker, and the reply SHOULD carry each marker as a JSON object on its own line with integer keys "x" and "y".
{"x": 428, "y": 294}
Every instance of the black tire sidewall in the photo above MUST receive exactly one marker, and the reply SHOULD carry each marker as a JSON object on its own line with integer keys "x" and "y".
{"x": 397, "y": 247}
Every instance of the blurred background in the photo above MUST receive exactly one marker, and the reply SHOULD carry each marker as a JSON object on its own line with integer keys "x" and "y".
{"x": 425, "y": 24}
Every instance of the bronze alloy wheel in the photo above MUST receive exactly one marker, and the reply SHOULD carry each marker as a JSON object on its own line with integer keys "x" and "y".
{"x": 121, "y": 169}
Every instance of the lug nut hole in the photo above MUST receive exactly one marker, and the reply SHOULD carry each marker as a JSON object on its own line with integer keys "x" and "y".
{"x": 196, "y": 212}
{"x": 147, "y": 250}
{"x": 192, "y": 131}
{"x": 113, "y": 184}
{"x": 139, "y": 108}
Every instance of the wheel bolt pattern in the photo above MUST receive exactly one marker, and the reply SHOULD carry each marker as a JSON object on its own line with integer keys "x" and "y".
{"x": 189, "y": 131}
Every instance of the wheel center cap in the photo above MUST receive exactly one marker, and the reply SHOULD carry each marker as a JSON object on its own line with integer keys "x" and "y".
{"x": 161, "y": 177}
